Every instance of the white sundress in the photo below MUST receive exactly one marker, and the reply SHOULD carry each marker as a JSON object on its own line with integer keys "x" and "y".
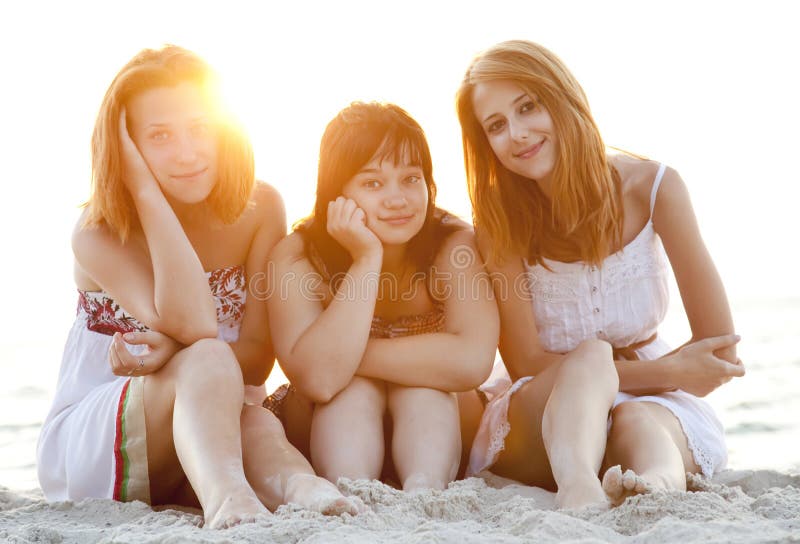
{"x": 622, "y": 302}
{"x": 93, "y": 441}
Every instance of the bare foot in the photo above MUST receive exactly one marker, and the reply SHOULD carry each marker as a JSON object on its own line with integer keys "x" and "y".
{"x": 318, "y": 494}
{"x": 580, "y": 495}
{"x": 234, "y": 510}
{"x": 419, "y": 483}
{"x": 619, "y": 486}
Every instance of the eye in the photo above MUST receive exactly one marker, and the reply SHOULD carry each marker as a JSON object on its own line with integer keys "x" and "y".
{"x": 528, "y": 106}
{"x": 200, "y": 129}
{"x": 160, "y": 135}
{"x": 414, "y": 179}
{"x": 495, "y": 126}
{"x": 371, "y": 184}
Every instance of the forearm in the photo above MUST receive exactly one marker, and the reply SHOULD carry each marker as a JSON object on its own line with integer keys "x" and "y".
{"x": 445, "y": 361}
{"x": 325, "y": 357}
{"x": 646, "y": 377}
{"x": 182, "y": 297}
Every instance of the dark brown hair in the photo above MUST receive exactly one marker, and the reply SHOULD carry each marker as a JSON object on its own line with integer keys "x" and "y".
{"x": 358, "y": 134}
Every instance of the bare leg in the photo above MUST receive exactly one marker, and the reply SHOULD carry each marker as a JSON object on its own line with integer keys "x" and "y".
{"x": 192, "y": 412}
{"x": 558, "y": 426}
{"x": 347, "y": 432}
{"x": 426, "y": 443}
{"x": 470, "y": 410}
{"x": 280, "y": 474}
{"x": 647, "y": 442}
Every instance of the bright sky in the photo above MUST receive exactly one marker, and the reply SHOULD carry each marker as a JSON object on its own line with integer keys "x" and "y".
{"x": 709, "y": 87}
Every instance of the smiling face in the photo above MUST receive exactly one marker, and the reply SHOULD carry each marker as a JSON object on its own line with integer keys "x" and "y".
{"x": 394, "y": 198}
{"x": 519, "y": 130}
{"x": 174, "y": 129}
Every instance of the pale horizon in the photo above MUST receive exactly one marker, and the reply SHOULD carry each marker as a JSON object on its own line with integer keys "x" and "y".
{"x": 709, "y": 88}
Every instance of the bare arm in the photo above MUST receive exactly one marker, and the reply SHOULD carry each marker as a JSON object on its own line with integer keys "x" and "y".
{"x": 520, "y": 348}
{"x": 254, "y": 349}
{"x": 460, "y": 357}
{"x": 319, "y": 348}
{"x": 162, "y": 284}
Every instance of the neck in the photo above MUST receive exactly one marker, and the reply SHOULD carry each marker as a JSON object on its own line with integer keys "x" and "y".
{"x": 394, "y": 259}
{"x": 191, "y": 215}
{"x": 546, "y": 185}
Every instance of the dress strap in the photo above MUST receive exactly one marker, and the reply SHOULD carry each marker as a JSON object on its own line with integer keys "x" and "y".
{"x": 661, "y": 168}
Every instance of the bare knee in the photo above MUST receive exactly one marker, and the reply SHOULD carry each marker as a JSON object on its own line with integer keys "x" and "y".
{"x": 627, "y": 418}
{"x": 591, "y": 364}
{"x": 206, "y": 364}
{"x": 362, "y": 390}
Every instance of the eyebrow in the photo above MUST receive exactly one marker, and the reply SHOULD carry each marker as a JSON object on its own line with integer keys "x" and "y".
{"x": 199, "y": 119}
{"x": 517, "y": 99}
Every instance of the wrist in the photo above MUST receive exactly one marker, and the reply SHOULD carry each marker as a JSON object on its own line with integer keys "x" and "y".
{"x": 669, "y": 371}
{"x": 372, "y": 260}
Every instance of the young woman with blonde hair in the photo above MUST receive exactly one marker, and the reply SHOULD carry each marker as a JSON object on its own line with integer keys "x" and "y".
{"x": 168, "y": 252}
{"x": 586, "y": 229}
{"x": 384, "y": 314}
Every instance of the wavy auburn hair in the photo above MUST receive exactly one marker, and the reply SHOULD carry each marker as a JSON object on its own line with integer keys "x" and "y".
{"x": 110, "y": 202}
{"x": 359, "y": 133}
{"x": 584, "y": 219}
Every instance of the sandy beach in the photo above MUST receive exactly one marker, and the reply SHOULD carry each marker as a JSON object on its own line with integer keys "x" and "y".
{"x": 736, "y": 506}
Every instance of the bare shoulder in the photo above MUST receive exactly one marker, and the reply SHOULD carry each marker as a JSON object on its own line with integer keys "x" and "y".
{"x": 268, "y": 205}
{"x": 637, "y": 175}
{"x": 289, "y": 250}
{"x": 88, "y": 240}
{"x": 459, "y": 249}
{"x": 265, "y": 194}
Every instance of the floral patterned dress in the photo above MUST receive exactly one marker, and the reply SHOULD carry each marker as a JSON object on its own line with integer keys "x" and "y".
{"x": 93, "y": 441}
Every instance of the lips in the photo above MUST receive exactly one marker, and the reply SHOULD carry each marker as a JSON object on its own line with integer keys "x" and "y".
{"x": 397, "y": 219}
{"x": 529, "y": 152}
{"x": 190, "y": 175}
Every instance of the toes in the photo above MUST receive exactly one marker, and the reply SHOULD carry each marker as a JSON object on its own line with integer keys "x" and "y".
{"x": 629, "y": 480}
{"x": 343, "y": 505}
{"x": 612, "y": 482}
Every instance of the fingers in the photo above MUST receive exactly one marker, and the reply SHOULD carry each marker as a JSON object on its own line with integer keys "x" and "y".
{"x": 735, "y": 370}
{"x": 149, "y": 338}
{"x": 113, "y": 359}
{"x": 719, "y": 342}
{"x": 123, "y": 362}
{"x": 359, "y": 218}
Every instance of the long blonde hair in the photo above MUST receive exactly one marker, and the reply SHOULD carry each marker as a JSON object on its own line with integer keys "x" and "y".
{"x": 110, "y": 202}
{"x": 584, "y": 218}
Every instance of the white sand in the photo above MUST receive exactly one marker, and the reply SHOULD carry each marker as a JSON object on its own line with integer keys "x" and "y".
{"x": 737, "y": 506}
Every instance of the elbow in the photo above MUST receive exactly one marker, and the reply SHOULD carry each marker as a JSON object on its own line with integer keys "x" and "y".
{"x": 312, "y": 380}
{"x": 316, "y": 390}
{"x": 188, "y": 336}
{"x": 477, "y": 367}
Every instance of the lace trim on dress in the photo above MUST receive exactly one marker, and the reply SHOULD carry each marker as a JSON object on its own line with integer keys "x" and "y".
{"x": 497, "y": 442}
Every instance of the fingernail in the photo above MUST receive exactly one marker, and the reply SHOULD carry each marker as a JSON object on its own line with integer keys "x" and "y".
{"x": 128, "y": 336}
{"x": 737, "y": 337}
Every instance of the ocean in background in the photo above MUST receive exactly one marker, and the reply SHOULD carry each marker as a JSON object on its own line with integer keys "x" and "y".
{"x": 709, "y": 88}
{"x": 759, "y": 411}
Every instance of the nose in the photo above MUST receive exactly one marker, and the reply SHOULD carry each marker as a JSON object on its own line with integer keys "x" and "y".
{"x": 395, "y": 199}
{"x": 186, "y": 151}
{"x": 518, "y": 130}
